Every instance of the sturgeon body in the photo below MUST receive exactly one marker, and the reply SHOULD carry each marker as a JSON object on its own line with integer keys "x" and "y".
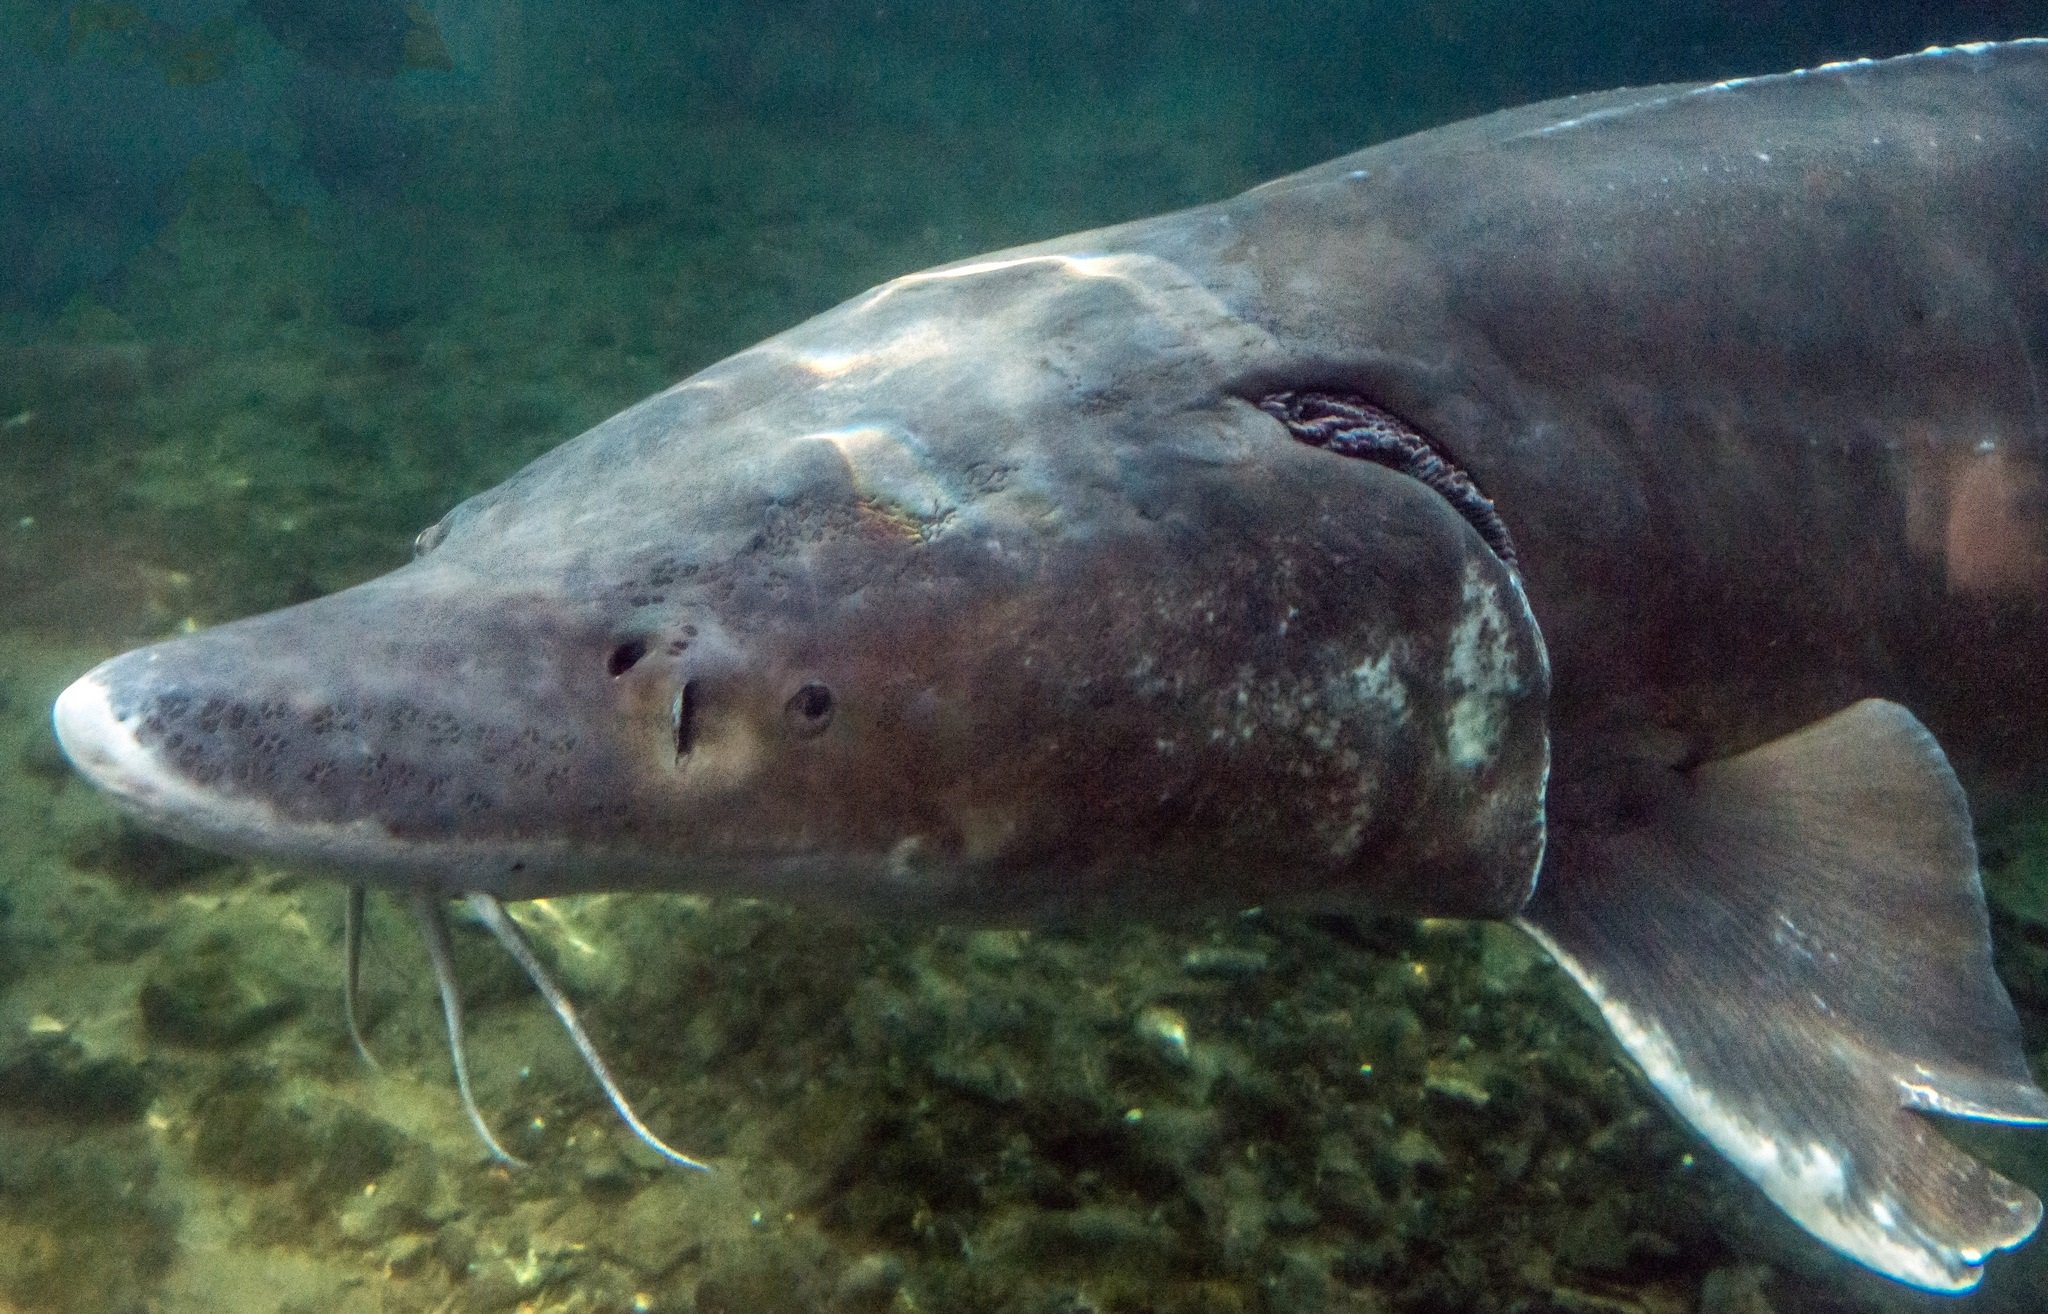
{"x": 1626, "y": 515}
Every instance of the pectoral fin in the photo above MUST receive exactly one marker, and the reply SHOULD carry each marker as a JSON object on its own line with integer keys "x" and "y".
{"x": 1793, "y": 944}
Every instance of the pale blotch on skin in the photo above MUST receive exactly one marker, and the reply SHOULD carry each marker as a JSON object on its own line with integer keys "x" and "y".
{"x": 1481, "y": 676}
{"x": 1374, "y": 685}
{"x": 1331, "y": 717}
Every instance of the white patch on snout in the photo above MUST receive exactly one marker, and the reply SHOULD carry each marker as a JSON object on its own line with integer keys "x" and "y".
{"x": 1481, "y": 676}
{"x": 105, "y": 750}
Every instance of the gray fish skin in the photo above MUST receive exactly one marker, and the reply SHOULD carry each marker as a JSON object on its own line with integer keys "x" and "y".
{"x": 1753, "y": 372}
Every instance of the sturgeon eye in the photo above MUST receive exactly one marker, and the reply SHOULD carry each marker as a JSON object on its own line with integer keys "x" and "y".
{"x": 809, "y": 709}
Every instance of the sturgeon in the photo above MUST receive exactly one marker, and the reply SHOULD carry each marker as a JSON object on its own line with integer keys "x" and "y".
{"x": 1624, "y": 515}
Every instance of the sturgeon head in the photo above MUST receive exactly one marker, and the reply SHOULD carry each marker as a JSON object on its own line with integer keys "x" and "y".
{"x": 989, "y": 593}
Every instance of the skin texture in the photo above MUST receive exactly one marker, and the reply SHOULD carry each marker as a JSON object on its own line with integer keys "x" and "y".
{"x": 995, "y": 592}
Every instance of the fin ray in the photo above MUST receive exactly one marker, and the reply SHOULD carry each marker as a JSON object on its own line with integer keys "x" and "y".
{"x": 1793, "y": 944}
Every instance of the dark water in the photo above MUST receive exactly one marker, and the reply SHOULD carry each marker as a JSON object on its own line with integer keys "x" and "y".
{"x": 280, "y": 282}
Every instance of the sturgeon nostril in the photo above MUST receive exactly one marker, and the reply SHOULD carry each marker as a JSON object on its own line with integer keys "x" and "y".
{"x": 682, "y": 715}
{"x": 625, "y": 657}
{"x": 809, "y": 709}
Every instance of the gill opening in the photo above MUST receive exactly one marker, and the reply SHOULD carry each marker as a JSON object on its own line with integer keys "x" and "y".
{"x": 1354, "y": 427}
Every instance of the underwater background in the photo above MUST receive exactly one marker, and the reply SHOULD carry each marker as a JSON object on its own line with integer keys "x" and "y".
{"x": 282, "y": 280}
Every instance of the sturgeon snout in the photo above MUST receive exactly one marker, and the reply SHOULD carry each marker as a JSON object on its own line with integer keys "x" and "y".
{"x": 397, "y": 733}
